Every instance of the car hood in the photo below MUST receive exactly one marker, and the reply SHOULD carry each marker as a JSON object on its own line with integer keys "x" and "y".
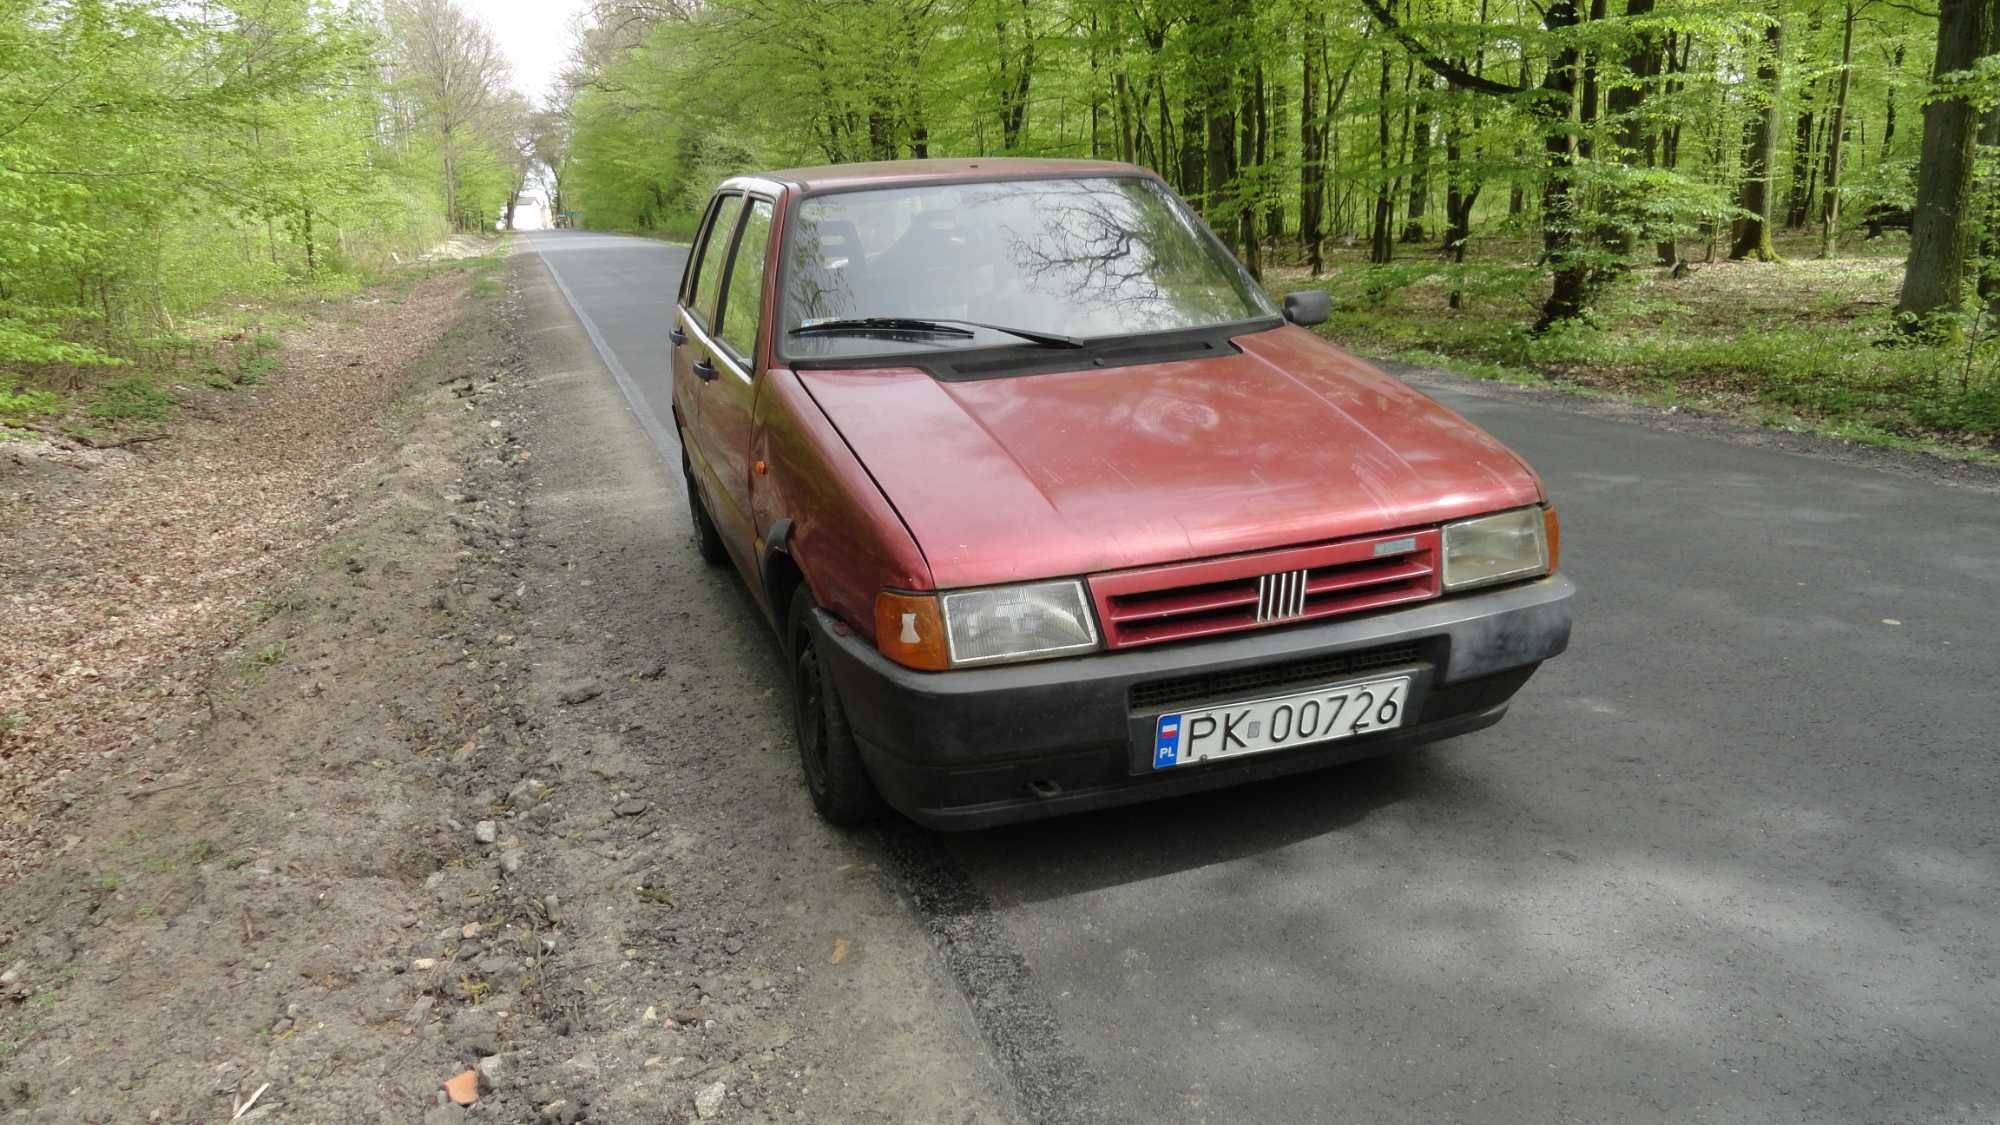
{"x": 1077, "y": 472}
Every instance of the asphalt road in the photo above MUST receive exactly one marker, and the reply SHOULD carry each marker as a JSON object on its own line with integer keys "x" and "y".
{"x": 1734, "y": 857}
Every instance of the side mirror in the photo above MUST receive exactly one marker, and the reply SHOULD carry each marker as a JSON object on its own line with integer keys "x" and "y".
{"x": 1308, "y": 307}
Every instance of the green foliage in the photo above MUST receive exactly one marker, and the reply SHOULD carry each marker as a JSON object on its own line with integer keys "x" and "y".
{"x": 1798, "y": 344}
{"x": 1486, "y": 156}
{"x": 20, "y": 406}
{"x": 133, "y": 400}
{"x": 157, "y": 159}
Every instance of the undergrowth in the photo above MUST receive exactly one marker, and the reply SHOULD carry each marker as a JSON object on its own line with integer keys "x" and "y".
{"x": 230, "y": 347}
{"x": 1804, "y": 344}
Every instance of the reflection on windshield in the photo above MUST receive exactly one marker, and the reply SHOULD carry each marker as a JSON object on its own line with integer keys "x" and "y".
{"x": 1085, "y": 258}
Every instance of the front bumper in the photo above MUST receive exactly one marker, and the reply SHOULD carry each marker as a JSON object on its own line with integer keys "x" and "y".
{"x": 984, "y": 746}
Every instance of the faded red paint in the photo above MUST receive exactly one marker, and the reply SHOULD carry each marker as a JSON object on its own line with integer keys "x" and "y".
{"x": 894, "y": 479}
{"x": 1073, "y": 473}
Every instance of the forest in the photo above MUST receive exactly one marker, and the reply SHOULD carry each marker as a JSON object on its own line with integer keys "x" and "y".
{"x": 1785, "y": 205}
{"x": 166, "y": 166}
{"x": 1787, "y": 208}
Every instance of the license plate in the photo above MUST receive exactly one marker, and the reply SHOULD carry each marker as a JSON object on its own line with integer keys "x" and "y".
{"x": 1262, "y": 725}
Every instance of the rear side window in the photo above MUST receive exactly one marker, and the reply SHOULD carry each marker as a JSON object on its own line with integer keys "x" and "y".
{"x": 745, "y": 306}
{"x": 714, "y": 251}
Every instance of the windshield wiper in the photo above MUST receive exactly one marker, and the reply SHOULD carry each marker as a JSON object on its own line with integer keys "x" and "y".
{"x": 936, "y": 327}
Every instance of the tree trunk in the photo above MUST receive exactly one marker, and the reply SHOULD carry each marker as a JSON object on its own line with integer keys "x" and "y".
{"x": 1460, "y": 195}
{"x": 1989, "y": 137}
{"x": 1635, "y": 140}
{"x": 1836, "y": 139}
{"x": 1194, "y": 154}
{"x": 1668, "y": 251}
{"x": 1889, "y": 104}
{"x": 1271, "y": 155}
{"x": 1587, "y": 102}
{"x": 450, "y": 178}
{"x": 1122, "y": 90}
{"x": 1934, "y": 280}
{"x": 1312, "y": 151}
{"x": 1221, "y": 163}
{"x": 1798, "y": 198}
{"x": 1420, "y": 158}
{"x": 1016, "y": 75}
{"x": 1517, "y": 195}
{"x": 1096, "y": 93}
{"x": 1329, "y": 147}
{"x": 1380, "y": 248}
{"x": 1760, "y": 155}
{"x": 1461, "y": 187}
{"x": 1562, "y": 239}
{"x": 1251, "y": 138}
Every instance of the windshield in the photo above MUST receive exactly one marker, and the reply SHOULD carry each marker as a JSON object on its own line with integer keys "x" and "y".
{"x": 1079, "y": 258}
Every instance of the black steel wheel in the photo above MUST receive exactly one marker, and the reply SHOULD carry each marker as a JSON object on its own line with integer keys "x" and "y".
{"x": 838, "y": 782}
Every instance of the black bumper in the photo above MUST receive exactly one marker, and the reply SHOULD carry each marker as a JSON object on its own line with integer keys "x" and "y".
{"x": 979, "y": 747}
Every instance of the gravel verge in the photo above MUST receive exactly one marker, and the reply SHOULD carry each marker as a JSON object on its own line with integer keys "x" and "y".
{"x": 494, "y": 802}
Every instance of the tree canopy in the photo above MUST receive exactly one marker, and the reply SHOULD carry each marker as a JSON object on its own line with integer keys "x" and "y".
{"x": 1618, "y": 133}
{"x": 157, "y": 156}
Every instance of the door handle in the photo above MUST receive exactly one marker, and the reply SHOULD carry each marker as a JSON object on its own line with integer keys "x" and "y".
{"x": 704, "y": 370}
{"x": 677, "y": 336}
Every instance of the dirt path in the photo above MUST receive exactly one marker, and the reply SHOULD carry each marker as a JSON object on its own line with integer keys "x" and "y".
{"x": 501, "y": 778}
{"x": 125, "y": 572}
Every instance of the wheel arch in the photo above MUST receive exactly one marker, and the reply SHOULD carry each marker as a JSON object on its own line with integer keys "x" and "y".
{"x": 782, "y": 575}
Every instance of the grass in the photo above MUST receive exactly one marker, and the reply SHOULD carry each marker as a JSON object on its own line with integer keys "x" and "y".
{"x": 20, "y": 406}
{"x": 136, "y": 399}
{"x": 486, "y": 277}
{"x": 231, "y": 345}
{"x": 1797, "y": 345}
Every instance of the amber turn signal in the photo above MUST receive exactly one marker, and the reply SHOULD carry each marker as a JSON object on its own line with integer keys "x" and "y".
{"x": 1554, "y": 528}
{"x": 909, "y": 629}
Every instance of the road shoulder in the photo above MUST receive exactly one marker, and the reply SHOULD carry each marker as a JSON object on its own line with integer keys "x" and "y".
{"x": 499, "y": 780}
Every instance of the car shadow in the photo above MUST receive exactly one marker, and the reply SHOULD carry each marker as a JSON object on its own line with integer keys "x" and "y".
{"x": 1087, "y": 851}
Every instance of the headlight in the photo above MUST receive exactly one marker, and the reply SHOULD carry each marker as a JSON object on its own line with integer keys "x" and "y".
{"x": 1498, "y": 548}
{"x": 1018, "y": 623}
{"x": 989, "y": 626}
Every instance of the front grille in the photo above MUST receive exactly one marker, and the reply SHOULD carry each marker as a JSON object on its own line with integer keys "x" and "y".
{"x": 1159, "y": 695}
{"x": 1185, "y": 600}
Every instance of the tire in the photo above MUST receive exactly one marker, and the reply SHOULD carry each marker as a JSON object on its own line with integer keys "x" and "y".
{"x": 707, "y": 540}
{"x": 836, "y": 779}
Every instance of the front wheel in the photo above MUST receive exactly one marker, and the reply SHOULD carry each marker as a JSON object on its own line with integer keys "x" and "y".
{"x": 838, "y": 782}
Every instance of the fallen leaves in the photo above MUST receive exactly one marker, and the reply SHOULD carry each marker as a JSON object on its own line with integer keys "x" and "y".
{"x": 125, "y": 581}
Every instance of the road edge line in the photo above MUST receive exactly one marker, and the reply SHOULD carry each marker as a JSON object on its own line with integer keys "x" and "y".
{"x": 656, "y": 432}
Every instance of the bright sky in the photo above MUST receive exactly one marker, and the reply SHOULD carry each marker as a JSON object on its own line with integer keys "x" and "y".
{"x": 535, "y": 34}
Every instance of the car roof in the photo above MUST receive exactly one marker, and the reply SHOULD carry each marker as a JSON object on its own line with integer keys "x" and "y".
{"x": 889, "y": 173}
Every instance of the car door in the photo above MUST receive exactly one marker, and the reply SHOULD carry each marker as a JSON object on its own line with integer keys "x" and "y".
{"x": 694, "y": 348}
{"x": 728, "y": 399}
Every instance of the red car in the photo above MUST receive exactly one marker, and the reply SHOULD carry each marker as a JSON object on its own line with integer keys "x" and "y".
{"x": 1055, "y": 509}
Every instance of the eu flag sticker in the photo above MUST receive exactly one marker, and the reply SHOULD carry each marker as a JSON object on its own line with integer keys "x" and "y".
{"x": 1167, "y": 748}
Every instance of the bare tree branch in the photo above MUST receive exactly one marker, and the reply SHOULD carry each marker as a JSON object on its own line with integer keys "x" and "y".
{"x": 1444, "y": 68}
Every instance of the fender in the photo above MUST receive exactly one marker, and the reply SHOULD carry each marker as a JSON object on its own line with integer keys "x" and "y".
{"x": 820, "y": 513}
{"x": 777, "y": 545}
